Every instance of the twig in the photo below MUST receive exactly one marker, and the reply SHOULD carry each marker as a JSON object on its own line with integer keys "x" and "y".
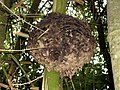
{"x": 73, "y": 86}
{"x": 29, "y": 81}
{"x": 4, "y": 86}
{"x": 22, "y": 50}
{"x": 9, "y": 82}
{"x": 43, "y": 6}
{"x": 66, "y": 83}
{"x": 43, "y": 33}
{"x": 21, "y": 62}
{"x": 5, "y": 72}
{"x": 10, "y": 85}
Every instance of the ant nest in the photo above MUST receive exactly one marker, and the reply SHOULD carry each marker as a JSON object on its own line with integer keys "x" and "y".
{"x": 65, "y": 45}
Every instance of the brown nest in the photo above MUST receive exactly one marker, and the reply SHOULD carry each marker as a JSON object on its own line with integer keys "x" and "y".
{"x": 65, "y": 46}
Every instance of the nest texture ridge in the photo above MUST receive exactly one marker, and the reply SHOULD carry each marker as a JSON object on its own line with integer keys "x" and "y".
{"x": 65, "y": 46}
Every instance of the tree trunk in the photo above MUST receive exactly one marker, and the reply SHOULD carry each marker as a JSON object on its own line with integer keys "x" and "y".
{"x": 113, "y": 12}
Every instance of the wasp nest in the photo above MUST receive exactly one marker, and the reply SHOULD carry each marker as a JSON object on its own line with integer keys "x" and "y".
{"x": 65, "y": 46}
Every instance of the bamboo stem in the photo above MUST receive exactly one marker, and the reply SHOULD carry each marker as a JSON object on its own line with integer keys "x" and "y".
{"x": 59, "y": 6}
{"x": 52, "y": 80}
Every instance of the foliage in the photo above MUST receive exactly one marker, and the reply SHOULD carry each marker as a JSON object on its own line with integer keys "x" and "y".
{"x": 93, "y": 75}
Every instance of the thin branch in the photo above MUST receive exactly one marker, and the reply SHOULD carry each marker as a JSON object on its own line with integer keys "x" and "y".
{"x": 8, "y": 80}
{"x": 66, "y": 83}
{"x": 22, "y": 50}
{"x": 43, "y": 33}
{"x": 22, "y": 62}
{"x": 29, "y": 81}
{"x": 10, "y": 85}
{"x": 43, "y": 6}
{"x": 73, "y": 86}
{"x": 27, "y": 36}
{"x": 5, "y": 72}
{"x": 4, "y": 86}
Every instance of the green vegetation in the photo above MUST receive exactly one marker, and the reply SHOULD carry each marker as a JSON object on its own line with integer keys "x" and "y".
{"x": 19, "y": 70}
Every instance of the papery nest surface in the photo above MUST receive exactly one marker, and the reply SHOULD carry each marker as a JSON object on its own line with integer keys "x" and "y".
{"x": 65, "y": 46}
